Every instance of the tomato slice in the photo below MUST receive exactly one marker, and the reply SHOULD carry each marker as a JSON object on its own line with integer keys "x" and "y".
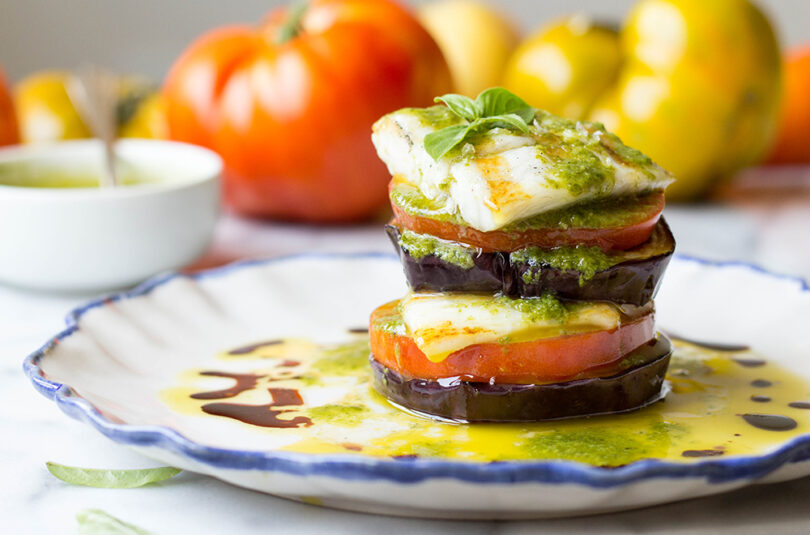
{"x": 635, "y": 232}
{"x": 543, "y": 360}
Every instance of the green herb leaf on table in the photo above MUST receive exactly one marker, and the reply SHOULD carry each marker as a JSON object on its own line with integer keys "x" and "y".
{"x": 97, "y": 522}
{"x": 494, "y": 108}
{"x": 111, "y": 479}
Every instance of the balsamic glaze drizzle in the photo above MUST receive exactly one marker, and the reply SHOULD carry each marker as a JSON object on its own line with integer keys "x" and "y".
{"x": 244, "y": 382}
{"x": 253, "y": 347}
{"x": 760, "y": 399}
{"x": 714, "y": 346}
{"x": 749, "y": 363}
{"x": 264, "y": 415}
{"x": 761, "y": 383}
{"x": 770, "y": 422}
{"x": 702, "y": 453}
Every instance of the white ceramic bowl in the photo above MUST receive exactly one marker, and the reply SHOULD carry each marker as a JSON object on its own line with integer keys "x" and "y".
{"x": 90, "y": 239}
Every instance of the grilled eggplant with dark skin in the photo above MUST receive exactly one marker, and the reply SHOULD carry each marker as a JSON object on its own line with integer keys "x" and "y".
{"x": 629, "y": 277}
{"x": 626, "y": 389}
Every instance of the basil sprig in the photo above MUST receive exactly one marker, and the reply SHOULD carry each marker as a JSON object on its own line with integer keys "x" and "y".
{"x": 493, "y": 108}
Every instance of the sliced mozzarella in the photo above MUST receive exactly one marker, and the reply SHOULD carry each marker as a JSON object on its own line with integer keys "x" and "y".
{"x": 506, "y": 176}
{"x": 442, "y": 323}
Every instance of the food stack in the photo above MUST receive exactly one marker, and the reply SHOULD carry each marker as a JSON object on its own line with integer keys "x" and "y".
{"x": 533, "y": 246}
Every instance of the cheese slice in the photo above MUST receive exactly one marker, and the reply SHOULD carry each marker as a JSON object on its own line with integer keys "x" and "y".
{"x": 503, "y": 176}
{"x": 442, "y": 323}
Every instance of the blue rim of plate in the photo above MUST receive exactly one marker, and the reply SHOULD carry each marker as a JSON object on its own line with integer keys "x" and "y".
{"x": 397, "y": 470}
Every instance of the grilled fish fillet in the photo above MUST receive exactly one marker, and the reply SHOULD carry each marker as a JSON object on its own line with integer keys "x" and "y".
{"x": 502, "y": 176}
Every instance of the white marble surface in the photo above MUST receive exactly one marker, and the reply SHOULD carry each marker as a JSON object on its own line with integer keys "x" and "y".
{"x": 34, "y": 431}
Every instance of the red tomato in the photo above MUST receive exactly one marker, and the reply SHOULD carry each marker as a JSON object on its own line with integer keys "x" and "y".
{"x": 543, "y": 360}
{"x": 289, "y": 104}
{"x": 793, "y": 140}
{"x": 8, "y": 121}
{"x": 609, "y": 238}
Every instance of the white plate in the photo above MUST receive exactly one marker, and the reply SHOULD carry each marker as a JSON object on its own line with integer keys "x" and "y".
{"x": 117, "y": 357}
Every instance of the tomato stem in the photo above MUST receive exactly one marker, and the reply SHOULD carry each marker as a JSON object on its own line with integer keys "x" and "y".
{"x": 292, "y": 26}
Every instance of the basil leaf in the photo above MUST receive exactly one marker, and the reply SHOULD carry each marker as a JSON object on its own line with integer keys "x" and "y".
{"x": 462, "y": 106}
{"x": 527, "y": 114}
{"x": 494, "y": 107}
{"x": 508, "y": 120}
{"x": 499, "y": 101}
{"x": 111, "y": 479}
{"x": 438, "y": 143}
{"x": 97, "y": 522}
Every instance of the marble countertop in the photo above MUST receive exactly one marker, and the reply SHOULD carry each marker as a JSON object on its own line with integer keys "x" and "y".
{"x": 34, "y": 431}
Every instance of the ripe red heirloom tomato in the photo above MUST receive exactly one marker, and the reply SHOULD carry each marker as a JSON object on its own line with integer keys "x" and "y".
{"x": 8, "y": 121}
{"x": 635, "y": 232}
{"x": 289, "y": 104}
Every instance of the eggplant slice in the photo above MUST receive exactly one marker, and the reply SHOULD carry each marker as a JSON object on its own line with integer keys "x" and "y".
{"x": 628, "y": 390}
{"x": 633, "y": 279}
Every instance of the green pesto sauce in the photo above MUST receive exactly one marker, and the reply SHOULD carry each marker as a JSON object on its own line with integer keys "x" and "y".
{"x": 601, "y": 213}
{"x": 422, "y": 245}
{"x": 627, "y": 154}
{"x": 391, "y": 323}
{"x": 39, "y": 175}
{"x": 348, "y": 415}
{"x": 345, "y": 359}
{"x": 554, "y": 124}
{"x": 602, "y": 446}
{"x": 588, "y": 261}
{"x": 570, "y": 149}
{"x": 579, "y": 170}
{"x": 437, "y": 117}
{"x": 543, "y": 308}
{"x": 429, "y": 448}
{"x": 581, "y": 140}
{"x": 411, "y": 200}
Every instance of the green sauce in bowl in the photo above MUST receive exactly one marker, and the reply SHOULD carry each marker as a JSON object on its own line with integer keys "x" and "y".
{"x": 26, "y": 174}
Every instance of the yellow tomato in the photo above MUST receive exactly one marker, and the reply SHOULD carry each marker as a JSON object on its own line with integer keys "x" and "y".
{"x": 695, "y": 84}
{"x": 475, "y": 41}
{"x": 564, "y": 67}
{"x": 658, "y": 114}
{"x": 699, "y": 89}
{"x": 148, "y": 120}
{"x": 45, "y": 111}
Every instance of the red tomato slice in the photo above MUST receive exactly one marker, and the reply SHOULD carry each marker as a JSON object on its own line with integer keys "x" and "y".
{"x": 609, "y": 238}
{"x": 543, "y": 360}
